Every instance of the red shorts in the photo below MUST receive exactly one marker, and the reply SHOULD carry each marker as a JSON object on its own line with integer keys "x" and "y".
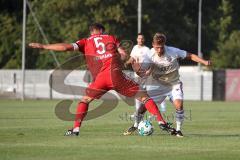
{"x": 117, "y": 81}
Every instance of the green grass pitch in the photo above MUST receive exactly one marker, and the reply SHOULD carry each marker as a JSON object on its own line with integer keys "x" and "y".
{"x": 30, "y": 131}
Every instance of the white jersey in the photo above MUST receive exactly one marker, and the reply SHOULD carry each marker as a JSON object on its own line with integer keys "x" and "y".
{"x": 166, "y": 67}
{"x": 139, "y": 52}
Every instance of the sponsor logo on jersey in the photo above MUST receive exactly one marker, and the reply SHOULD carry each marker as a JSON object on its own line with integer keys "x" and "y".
{"x": 103, "y": 56}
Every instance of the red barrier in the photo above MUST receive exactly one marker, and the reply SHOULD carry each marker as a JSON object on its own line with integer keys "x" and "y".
{"x": 232, "y": 85}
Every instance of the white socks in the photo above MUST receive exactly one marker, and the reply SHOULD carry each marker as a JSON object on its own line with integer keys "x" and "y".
{"x": 178, "y": 126}
{"x": 179, "y": 119}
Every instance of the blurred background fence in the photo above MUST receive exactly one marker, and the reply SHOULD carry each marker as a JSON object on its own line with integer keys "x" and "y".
{"x": 197, "y": 85}
{"x": 203, "y": 85}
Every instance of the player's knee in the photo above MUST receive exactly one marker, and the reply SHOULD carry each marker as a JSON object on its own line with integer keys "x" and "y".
{"x": 86, "y": 99}
{"x": 143, "y": 97}
{"x": 178, "y": 104}
{"x": 179, "y": 107}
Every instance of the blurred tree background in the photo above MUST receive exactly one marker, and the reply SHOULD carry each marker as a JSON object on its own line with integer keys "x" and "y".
{"x": 67, "y": 21}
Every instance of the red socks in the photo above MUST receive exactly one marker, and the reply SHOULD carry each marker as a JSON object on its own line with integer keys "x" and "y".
{"x": 81, "y": 112}
{"x": 153, "y": 109}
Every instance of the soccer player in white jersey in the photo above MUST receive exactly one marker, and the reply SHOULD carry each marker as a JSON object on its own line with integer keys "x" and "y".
{"x": 164, "y": 78}
{"x": 138, "y": 53}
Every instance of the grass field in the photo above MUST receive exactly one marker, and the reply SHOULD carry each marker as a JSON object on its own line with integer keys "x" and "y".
{"x": 30, "y": 130}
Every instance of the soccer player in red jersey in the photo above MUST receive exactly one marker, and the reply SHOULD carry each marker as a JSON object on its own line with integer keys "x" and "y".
{"x": 103, "y": 57}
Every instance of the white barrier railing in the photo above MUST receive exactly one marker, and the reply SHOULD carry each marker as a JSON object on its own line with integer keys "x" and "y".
{"x": 196, "y": 85}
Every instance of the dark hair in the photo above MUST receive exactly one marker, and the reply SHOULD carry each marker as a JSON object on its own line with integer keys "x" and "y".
{"x": 141, "y": 34}
{"x": 159, "y": 38}
{"x": 97, "y": 26}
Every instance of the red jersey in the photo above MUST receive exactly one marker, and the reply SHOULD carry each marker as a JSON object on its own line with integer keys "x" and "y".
{"x": 101, "y": 54}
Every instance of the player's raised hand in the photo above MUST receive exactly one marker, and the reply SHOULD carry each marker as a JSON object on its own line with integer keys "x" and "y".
{"x": 209, "y": 63}
{"x": 36, "y": 45}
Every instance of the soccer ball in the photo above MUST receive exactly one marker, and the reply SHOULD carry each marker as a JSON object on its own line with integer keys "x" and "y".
{"x": 145, "y": 128}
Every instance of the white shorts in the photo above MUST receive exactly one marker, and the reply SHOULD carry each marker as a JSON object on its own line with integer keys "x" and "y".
{"x": 159, "y": 92}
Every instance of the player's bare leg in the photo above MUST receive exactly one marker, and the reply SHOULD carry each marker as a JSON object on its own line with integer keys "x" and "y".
{"x": 178, "y": 103}
{"x": 81, "y": 112}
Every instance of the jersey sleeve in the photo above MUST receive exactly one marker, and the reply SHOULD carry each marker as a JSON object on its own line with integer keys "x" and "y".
{"x": 180, "y": 53}
{"x": 80, "y": 45}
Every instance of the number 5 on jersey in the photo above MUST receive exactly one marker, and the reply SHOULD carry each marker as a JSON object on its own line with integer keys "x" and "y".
{"x": 99, "y": 45}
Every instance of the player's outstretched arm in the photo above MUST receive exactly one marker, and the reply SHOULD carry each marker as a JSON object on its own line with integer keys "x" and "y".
{"x": 54, "y": 47}
{"x": 197, "y": 59}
